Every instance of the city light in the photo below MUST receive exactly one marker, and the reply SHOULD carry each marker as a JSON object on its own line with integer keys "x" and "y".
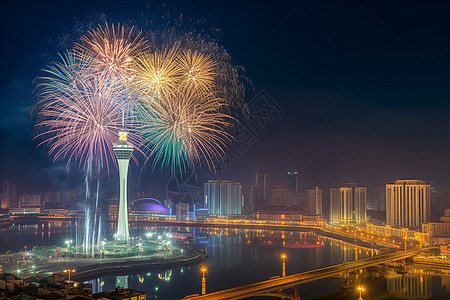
{"x": 70, "y": 271}
{"x": 361, "y": 290}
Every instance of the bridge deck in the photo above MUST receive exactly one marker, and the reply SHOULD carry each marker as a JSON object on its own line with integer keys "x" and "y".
{"x": 277, "y": 284}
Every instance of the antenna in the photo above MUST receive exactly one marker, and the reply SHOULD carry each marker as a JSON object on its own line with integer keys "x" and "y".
{"x": 123, "y": 118}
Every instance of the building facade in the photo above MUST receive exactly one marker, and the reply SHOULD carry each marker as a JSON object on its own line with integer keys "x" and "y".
{"x": 314, "y": 201}
{"x": 348, "y": 204}
{"x": 408, "y": 203}
{"x": 182, "y": 211}
{"x": 223, "y": 197}
{"x": 292, "y": 181}
{"x": 335, "y": 206}
{"x": 353, "y": 203}
{"x": 262, "y": 182}
{"x": 9, "y": 195}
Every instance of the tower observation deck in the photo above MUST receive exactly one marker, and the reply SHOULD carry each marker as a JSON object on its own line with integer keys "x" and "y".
{"x": 123, "y": 151}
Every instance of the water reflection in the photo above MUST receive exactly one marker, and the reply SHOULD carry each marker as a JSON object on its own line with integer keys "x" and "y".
{"x": 236, "y": 257}
{"x": 409, "y": 286}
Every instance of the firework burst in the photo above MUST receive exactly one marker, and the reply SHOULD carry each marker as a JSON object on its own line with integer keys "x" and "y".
{"x": 197, "y": 71}
{"x": 185, "y": 128}
{"x": 156, "y": 72}
{"x": 176, "y": 99}
{"x": 114, "y": 47}
{"x": 80, "y": 112}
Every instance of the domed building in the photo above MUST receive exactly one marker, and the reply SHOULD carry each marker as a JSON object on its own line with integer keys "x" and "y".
{"x": 147, "y": 209}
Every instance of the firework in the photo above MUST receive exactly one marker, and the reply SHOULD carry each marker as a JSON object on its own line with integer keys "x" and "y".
{"x": 197, "y": 70}
{"x": 176, "y": 97}
{"x": 113, "y": 47}
{"x": 157, "y": 72}
{"x": 80, "y": 112}
{"x": 185, "y": 128}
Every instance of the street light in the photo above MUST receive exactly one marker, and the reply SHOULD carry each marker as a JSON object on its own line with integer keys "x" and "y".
{"x": 361, "y": 290}
{"x": 69, "y": 271}
{"x": 283, "y": 259}
{"x": 203, "y": 269}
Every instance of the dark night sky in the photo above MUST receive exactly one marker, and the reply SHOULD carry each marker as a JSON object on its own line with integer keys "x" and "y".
{"x": 365, "y": 85}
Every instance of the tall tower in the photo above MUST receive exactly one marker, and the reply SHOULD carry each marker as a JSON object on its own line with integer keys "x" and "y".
{"x": 123, "y": 152}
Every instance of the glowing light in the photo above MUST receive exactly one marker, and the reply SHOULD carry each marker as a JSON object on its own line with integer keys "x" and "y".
{"x": 123, "y": 136}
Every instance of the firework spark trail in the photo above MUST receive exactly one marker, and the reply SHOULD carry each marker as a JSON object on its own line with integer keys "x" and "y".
{"x": 114, "y": 48}
{"x": 80, "y": 112}
{"x": 156, "y": 72}
{"x": 197, "y": 71}
{"x": 184, "y": 129}
{"x": 176, "y": 95}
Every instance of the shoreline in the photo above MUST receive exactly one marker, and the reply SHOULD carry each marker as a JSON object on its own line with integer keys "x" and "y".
{"x": 112, "y": 268}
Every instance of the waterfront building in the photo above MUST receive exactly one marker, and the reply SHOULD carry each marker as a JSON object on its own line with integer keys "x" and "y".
{"x": 348, "y": 204}
{"x": 30, "y": 200}
{"x": 408, "y": 203}
{"x": 292, "y": 181}
{"x": 279, "y": 195}
{"x": 9, "y": 195}
{"x": 335, "y": 206}
{"x": 123, "y": 151}
{"x": 223, "y": 197}
{"x": 438, "y": 232}
{"x": 262, "y": 181}
{"x": 182, "y": 211}
{"x": 249, "y": 196}
{"x": 284, "y": 196}
{"x": 353, "y": 203}
{"x": 314, "y": 201}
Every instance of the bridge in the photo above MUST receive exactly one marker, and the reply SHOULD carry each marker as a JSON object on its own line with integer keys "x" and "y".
{"x": 275, "y": 285}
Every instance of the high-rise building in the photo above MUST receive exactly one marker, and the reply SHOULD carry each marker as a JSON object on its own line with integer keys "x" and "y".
{"x": 348, "y": 204}
{"x": 249, "y": 196}
{"x": 440, "y": 200}
{"x": 262, "y": 181}
{"x": 223, "y": 197}
{"x": 123, "y": 151}
{"x": 314, "y": 201}
{"x": 279, "y": 195}
{"x": 182, "y": 211}
{"x": 408, "y": 203}
{"x": 52, "y": 200}
{"x": 9, "y": 195}
{"x": 30, "y": 200}
{"x": 353, "y": 203}
{"x": 293, "y": 181}
{"x": 335, "y": 206}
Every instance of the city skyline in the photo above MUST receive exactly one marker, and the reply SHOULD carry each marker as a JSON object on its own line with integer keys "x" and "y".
{"x": 225, "y": 150}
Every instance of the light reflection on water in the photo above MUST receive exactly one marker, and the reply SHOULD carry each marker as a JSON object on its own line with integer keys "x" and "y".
{"x": 238, "y": 257}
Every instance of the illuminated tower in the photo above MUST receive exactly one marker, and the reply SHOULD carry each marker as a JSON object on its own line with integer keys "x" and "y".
{"x": 123, "y": 152}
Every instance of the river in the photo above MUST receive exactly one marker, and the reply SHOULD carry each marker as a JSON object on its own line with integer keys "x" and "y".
{"x": 236, "y": 257}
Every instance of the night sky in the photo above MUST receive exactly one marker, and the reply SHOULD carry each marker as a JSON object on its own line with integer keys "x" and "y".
{"x": 365, "y": 85}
